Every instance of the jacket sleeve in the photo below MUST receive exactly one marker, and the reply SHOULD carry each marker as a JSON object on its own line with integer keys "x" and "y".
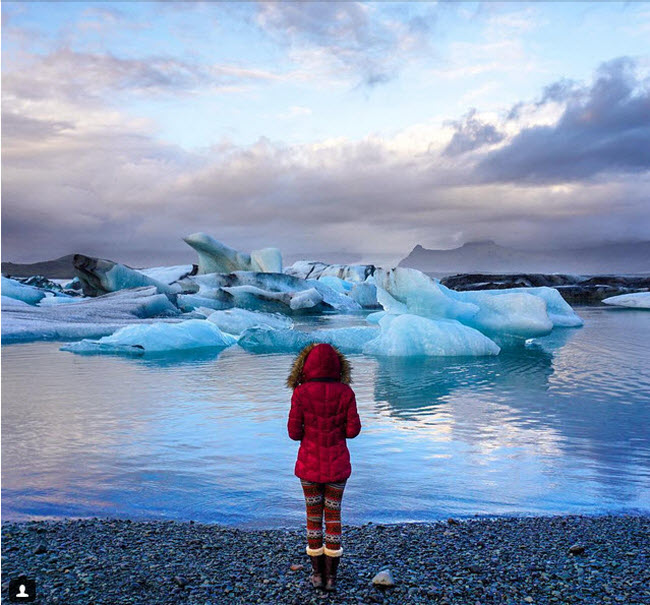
{"x": 353, "y": 424}
{"x": 295, "y": 423}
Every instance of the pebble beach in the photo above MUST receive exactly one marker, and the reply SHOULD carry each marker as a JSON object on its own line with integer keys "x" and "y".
{"x": 568, "y": 559}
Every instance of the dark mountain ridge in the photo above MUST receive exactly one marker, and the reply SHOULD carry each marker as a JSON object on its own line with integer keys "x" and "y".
{"x": 489, "y": 257}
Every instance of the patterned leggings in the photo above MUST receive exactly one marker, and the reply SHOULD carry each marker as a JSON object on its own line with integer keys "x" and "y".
{"x": 317, "y": 497}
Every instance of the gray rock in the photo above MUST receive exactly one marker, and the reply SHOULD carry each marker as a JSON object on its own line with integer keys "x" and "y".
{"x": 384, "y": 578}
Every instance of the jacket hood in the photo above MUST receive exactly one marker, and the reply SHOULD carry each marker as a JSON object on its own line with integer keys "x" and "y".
{"x": 319, "y": 360}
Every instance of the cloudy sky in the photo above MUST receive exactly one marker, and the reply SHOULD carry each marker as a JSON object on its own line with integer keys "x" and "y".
{"x": 331, "y": 130}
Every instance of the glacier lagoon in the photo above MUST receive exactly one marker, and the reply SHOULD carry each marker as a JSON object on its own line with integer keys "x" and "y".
{"x": 559, "y": 426}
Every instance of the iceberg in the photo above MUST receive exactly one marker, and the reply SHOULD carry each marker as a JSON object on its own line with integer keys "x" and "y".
{"x": 51, "y": 299}
{"x": 168, "y": 275}
{"x": 514, "y": 314}
{"x": 636, "y": 300}
{"x": 86, "y": 317}
{"x": 99, "y": 276}
{"x": 216, "y": 257}
{"x": 189, "y": 302}
{"x": 559, "y": 311}
{"x": 336, "y": 283}
{"x": 265, "y": 339}
{"x": 364, "y": 294}
{"x": 14, "y": 289}
{"x": 421, "y": 295}
{"x": 271, "y": 292}
{"x": 305, "y": 299}
{"x": 413, "y": 336}
{"x": 510, "y": 315}
{"x": 156, "y": 338}
{"x": 267, "y": 260}
{"x": 308, "y": 269}
{"x": 236, "y": 321}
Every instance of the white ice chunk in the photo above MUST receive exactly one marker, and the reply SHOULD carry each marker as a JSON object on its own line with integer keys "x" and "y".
{"x": 389, "y": 304}
{"x": 307, "y": 269}
{"x": 421, "y": 294}
{"x": 167, "y": 275}
{"x": 268, "y": 260}
{"x": 86, "y": 317}
{"x": 265, "y": 339}
{"x": 236, "y": 321}
{"x": 559, "y": 311}
{"x": 156, "y": 338}
{"x": 14, "y": 289}
{"x": 305, "y": 299}
{"x": 636, "y": 300}
{"x": 216, "y": 257}
{"x": 255, "y": 290}
{"x": 412, "y": 335}
{"x": 51, "y": 299}
{"x": 508, "y": 314}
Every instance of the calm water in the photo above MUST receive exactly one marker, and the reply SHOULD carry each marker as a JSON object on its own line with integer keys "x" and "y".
{"x": 563, "y": 426}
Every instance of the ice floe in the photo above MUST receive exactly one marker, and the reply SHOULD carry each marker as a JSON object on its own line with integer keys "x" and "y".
{"x": 156, "y": 338}
{"x": 412, "y": 335}
{"x": 86, "y": 317}
{"x": 636, "y": 300}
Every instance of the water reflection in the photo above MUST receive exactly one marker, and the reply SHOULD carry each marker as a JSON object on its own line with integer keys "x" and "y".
{"x": 558, "y": 426}
{"x": 407, "y": 386}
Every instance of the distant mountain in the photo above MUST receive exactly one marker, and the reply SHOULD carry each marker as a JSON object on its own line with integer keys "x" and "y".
{"x": 489, "y": 257}
{"x": 59, "y": 268}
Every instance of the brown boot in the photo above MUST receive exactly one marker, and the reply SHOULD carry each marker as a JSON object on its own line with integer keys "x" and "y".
{"x": 331, "y": 565}
{"x": 318, "y": 567}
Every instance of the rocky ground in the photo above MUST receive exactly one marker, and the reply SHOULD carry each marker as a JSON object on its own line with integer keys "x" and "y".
{"x": 575, "y": 289}
{"x": 596, "y": 560}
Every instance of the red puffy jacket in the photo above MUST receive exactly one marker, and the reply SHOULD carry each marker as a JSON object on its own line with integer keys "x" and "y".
{"x": 323, "y": 414}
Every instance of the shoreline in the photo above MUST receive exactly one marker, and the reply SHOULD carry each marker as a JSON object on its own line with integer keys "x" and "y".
{"x": 515, "y": 560}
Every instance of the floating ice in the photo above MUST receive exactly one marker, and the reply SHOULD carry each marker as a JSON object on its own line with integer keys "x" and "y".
{"x": 412, "y": 335}
{"x": 156, "y": 338}
{"x": 28, "y": 294}
{"x": 365, "y": 294}
{"x": 86, "y": 317}
{"x": 167, "y": 275}
{"x": 268, "y": 260}
{"x": 99, "y": 276}
{"x": 51, "y": 299}
{"x": 271, "y": 292}
{"x": 236, "y": 321}
{"x": 336, "y": 283}
{"x": 305, "y": 299}
{"x": 559, "y": 311}
{"x": 511, "y": 314}
{"x": 216, "y": 257}
{"x": 265, "y": 339}
{"x": 307, "y": 269}
{"x": 188, "y": 302}
{"x": 389, "y": 304}
{"x": 636, "y": 300}
{"x": 422, "y": 295}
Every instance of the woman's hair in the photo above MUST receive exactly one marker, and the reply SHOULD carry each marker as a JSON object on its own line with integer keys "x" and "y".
{"x": 295, "y": 375}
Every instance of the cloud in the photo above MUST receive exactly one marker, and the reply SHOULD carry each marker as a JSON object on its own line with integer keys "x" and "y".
{"x": 355, "y": 36}
{"x": 603, "y": 128}
{"x": 471, "y": 133}
{"x": 81, "y": 176}
{"x": 92, "y": 77}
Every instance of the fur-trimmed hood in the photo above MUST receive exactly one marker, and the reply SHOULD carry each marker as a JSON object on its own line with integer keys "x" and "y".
{"x": 326, "y": 361}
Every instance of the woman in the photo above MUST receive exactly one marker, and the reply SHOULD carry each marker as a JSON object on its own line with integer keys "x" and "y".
{"x": 323, "y": 415}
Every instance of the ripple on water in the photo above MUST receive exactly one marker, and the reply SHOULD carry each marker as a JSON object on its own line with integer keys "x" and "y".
{"x": 560, "y": 425}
